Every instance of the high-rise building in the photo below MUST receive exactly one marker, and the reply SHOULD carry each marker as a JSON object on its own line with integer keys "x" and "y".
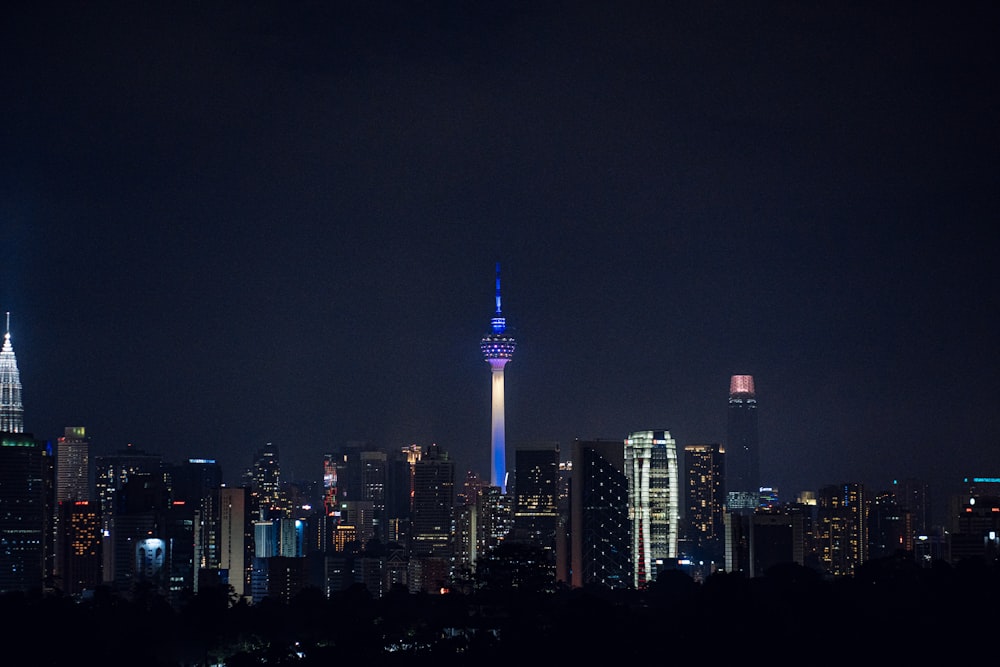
{"x": 399, "y": 495}
{"x": 564, "y": 543}
{"x": 72, "y": 484}
{"x": 536, "y": 496}
{"x": 536, "y": 502}
{"x": 433, "y": 501}
{"x": 27, "y": 494}
{"x": 470, "y": 539}
{"x": 73, "y": 465}
{"x": 654, "y": 503}
{"x": 373, "y": 472}
{"x": 112, "y": 472}
{"x": 600, "y": 530}
{"x": 266, "y": 488}
{"x": 705, "y": 502}
{"x": 431, "y": 546}
{"x": 233, "y": 539}
{"x": 25, "y": 512}
{"x": 80, "y": 547}
{"x": 890, "y": 526}
{"x": 11, "y": 408}
{"x": 742, "y": 448}
{"x": 842, "y": 528}
{"x": 180, "y": 526}
{"x": 195, "y": 483}
{"x": 498, "y": 349}
{"x": 915, "y": 495}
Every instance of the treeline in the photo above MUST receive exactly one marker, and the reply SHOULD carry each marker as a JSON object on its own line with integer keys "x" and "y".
{"x": 892, "y": 610}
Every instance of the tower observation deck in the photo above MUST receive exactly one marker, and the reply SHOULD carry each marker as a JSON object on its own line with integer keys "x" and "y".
{"x": 498, "y": 349}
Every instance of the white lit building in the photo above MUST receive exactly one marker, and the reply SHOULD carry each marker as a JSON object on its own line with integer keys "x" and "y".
{"x": 654, "y": 500}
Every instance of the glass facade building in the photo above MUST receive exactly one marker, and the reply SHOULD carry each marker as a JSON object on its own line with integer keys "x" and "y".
{"x": 705, "y": 501}
{"x": 600, "y": 530}
{"x": 654, "y": 503}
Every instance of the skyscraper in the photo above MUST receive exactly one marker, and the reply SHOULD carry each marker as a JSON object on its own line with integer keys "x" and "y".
{"x": 72, "y": 486}
{"x": 498, "y": 348}
{"x": 11, "y": 409}
{"x": 265, "y": 495}
{"x": 431, "y": 545}
{"x": 73, "y": 465}
{"x": 705, "y": 501}
{"x": 112, "y": 473}
{"x": 600, "y": 531}
{"x": 25, "y": 510}
{"x": 842, "y": 528}
{"x": 742, "y": 450}
{"x": 233, "y": 538}
{"x": 536, "y": 498}
{"x": 433, "y": 502}
{"x": 79, "y": 547}
{"x": 654, "y": 503}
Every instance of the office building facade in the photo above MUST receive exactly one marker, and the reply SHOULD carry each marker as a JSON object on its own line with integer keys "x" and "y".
{"x": 705, "y": 503}
{"x": 600, "y": 529}
{"x": 654, "y": 503}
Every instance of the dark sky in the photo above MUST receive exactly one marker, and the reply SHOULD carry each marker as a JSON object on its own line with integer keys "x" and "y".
{"x": 226, "y": 224}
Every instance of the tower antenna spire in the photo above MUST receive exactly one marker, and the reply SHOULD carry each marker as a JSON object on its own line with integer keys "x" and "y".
{"x": 498, "y": 288}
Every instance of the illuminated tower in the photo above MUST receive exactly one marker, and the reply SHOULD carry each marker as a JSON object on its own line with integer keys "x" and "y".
{"x": 11, "y": 410}
{"x": 498, "y": 348}
{"x": 654, "y": 501}
{"x": 742, "y": 451}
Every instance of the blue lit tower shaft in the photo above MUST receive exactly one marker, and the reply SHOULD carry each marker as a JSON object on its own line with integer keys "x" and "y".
{"x": 498, "y": 349}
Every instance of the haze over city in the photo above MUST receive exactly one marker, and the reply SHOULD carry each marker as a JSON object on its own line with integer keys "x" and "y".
{"x": 232, "y": 224}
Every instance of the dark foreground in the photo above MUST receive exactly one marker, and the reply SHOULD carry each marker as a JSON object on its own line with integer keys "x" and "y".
{"x": 892, "y": 611}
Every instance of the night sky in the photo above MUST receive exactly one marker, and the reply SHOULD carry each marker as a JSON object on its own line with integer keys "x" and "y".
{"x": 227, "y": 224}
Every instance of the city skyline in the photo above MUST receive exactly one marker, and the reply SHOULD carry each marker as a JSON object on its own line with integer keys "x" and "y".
{"x": 229, "y": 227}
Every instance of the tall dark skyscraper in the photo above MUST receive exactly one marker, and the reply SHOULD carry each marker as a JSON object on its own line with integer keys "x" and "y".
{"x": 25, "y": 510}
{"x": 11, "y": 409}
{"x": 742, "y": 447}
{"x": 705, "y": 500}
{"x": 600, "y": 530}
{"x": 498, "y": 348}
{"x": 431, "y": 546}
{"x": 536, "y": 502}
